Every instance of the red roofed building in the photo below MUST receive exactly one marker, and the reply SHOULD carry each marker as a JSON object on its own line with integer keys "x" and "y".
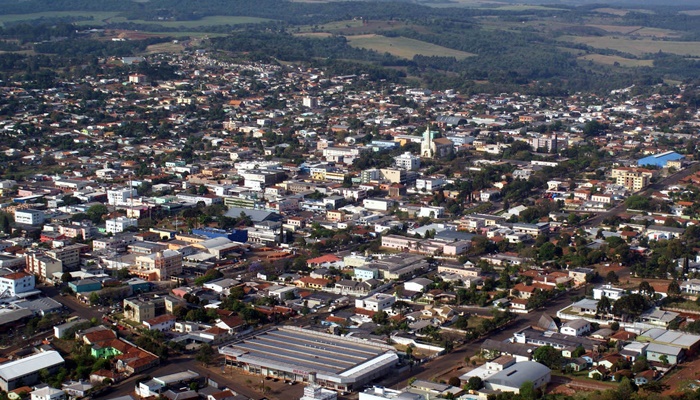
{"x": 326, "y": 260}
{"x": 161, "y": 323}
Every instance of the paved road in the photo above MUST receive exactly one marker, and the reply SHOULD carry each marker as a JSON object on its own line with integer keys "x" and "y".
{"x": 660, "y": 185}
{"x": 448, "y": 365}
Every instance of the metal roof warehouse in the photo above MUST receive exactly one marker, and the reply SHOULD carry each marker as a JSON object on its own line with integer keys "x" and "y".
{"x": 293, "y": 354}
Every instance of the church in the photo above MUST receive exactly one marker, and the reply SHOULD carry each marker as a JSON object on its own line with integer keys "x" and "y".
{"x": 431, "y": 147}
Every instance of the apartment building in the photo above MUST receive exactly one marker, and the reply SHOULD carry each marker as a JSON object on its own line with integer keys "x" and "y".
{"x": 634, "y": 179}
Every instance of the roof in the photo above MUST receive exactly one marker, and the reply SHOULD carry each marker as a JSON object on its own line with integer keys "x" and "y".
{"x": 519, "y": 373}
{"x": 664, "y": 349}
{"x": 177, "y": 377}
{"x": 28, "y": 365}
{"x": 326, "y": 258}
{"x": 255, "y": 215}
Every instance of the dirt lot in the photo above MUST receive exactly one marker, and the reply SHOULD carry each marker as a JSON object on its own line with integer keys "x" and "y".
{"x": 680, "y": 378}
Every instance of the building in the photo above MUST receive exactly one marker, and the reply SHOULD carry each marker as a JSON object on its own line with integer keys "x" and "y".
{"x": 382, "y": 393}
{"x": 154, "y": 387}
{"x": 608, "y": 291}
{"x": 634, "y": 179}
{"x": 42, "y": 265}
{"x": 659, "y": 160}
{"x": 376, "y": 302}
{"x": 577, "y": 327}
{"x": 161, "y": 323}
{"x": 140, "y": 310}
{"x": 120, "y": 224}
{"x": 407, "y": 161}
{"x": 16, "y": 283}
{"x": 85, "y": 285}
{"x": 511, "y": 378}
{"x": 47, "y": 393}
{"x": 159, "y": 266}
{"x": 121, "y": 197}
{"x": 29, "y": 217}
{"x": 68, "y": 255}
{"x": 300, "y": 355}
{"x": 26, "y": 370}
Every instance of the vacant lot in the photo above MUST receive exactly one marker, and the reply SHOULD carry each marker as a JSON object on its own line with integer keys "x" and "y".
{"x": 637, "y": 47}
{"x": 94, "y": 18}
{"x": 169, "y": 47}
{"x": 404, "y": 47}
{"x": 611, "y": 60}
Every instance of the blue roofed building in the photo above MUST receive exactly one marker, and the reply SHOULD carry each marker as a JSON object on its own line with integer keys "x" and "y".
{"x": 659, "y": 160}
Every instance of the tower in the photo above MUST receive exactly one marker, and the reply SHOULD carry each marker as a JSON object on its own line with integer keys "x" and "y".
{"x": 426, "y": 143}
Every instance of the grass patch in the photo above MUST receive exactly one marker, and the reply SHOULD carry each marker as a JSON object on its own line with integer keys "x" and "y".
{"x": 612, "y": 60}
{"x": 638, "y": 47}
{"x": 404, "y": 47}
{"x": 95, "y": 18}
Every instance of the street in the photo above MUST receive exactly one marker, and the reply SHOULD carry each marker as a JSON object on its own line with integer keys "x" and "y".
{"x": 446, "y": 366}
{"x": 669, "y": 180}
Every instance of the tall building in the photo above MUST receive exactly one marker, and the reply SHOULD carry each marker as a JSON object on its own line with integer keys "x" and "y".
{"x": 159, "y": 266}
{"x": 407, "y": 161}
{"x": 634, "y": 179}
{"x": 42, "y": 265}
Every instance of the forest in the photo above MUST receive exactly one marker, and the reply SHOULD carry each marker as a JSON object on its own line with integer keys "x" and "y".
{"x": 512, "y": 57}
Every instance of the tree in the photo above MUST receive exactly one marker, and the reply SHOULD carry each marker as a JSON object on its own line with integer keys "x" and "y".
{"x": 474, "y": 383}
{"x": 528, "y": 391}
{"x": 674, "y": 289}
{"x": 548, "y": 356}
{"x": 612, "y": 277}
{"x": 205, "y": 354}
{"x": 664, "y": 359}
{"x": 604, "y": 306}
{"x": 646, "y": 289}
{"x": 380, "y": 317}
{"x": 66, "y": 277}
{"x": 96, "y": 212}
{"x": 453, "y": 381}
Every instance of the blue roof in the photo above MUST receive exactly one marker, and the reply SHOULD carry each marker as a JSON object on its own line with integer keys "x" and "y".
{"x": 660, "y": 159}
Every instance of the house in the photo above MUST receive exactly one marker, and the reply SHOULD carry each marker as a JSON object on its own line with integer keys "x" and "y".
{"x": 326, "y": 261}
{"x": 608, "y": 291}
{"x": 644, "y": 377}
{"x": 161, "y": 323}
{"x": 577, "y": 327}
{"x": 418, "y": 284}
{"x": 512, "y": 378}
{"x": 665, "y": 354}
{"x": 47, "y": 393}
{"x": 576, "y": 364}
{"x": 599, "y": 373}
{"x": 232, "y": 323}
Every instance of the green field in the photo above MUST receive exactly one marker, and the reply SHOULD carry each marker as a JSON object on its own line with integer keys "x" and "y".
{"x": 97, "y": 17}
{"x": 637, "y": 47}
{"x": 404, "y": 47}
{"x": 621, "y": 61}
{"x": 206, "y": 21}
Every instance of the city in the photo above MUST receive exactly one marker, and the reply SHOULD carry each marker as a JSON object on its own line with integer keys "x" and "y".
{"x": 261, "y": 230}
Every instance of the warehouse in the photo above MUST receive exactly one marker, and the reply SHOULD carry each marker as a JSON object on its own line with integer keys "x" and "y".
{"x": 26, "y": 370}
{"x": 292, "y": 353}
{"x": 659, "y": 160}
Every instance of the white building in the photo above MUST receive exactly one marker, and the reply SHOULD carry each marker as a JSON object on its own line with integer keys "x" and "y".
{"x": 378, "y": 204}
{"x": 429, "y": 184}
{"x": 14, "y": 283}
{"x": 608, "y": 291}
{"x": 47, "y": 393}
{"x": 407, "y": 161}
{"x": 577, "y": 327}
{"x": 431, "y": 212}
{"x": 29, "y": 217}
{"x": 122, "y": 196}
{"x": 26, "y": 370}
{"x": 376, "y": 302}
{"x": 120, "y": 224}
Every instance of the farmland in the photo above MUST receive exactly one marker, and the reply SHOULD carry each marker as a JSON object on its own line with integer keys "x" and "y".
{"x": 404, "y": 47}
{"x": 637, "y": 47}
{"x": 203, "y": 22}
{"x": 616, "y": 60}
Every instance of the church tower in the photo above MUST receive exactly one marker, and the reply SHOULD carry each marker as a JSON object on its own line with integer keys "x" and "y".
{"x": 426, "y": 144}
